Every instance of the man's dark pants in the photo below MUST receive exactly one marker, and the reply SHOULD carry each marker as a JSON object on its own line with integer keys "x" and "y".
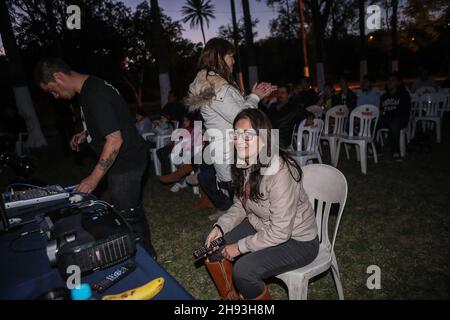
{"x": 125, "y": 190}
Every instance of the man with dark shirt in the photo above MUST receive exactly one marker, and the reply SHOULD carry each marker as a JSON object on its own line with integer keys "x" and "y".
{"x": 346, "y": 96}
{"x": 304, "y": 94}
{"x": 285, "y": 116}
{"x": 110, "y": 131}
{"x": 395, "y": 106}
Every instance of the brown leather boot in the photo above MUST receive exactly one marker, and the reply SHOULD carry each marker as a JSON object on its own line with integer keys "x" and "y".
{"x": 221, "y": 273}
{"x": 203, "y": 202}
{"x": 176, "y": 176}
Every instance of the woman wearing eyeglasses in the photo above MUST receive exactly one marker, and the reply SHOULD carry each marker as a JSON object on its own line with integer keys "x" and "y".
{"x": 216, "y": 95}
{"x": 271, "y": 227}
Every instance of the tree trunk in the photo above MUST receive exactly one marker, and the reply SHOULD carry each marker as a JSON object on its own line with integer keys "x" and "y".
{"x": 162, "y": 52}
{"x": 237, "y": 56}
{"x": 394, "y": 22}
{"x": 18, "y": 80}
{"x": 362, "y": 40}
{"x": 303, "y": 37}
{"x": 203, "y": 32}
{"x": 318, "y": 40}
{"x": 56, "y": 43}
{"x": 252, "y": 68}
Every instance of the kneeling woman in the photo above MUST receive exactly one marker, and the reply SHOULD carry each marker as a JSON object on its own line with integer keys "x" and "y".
{"x": 271, "y": 227}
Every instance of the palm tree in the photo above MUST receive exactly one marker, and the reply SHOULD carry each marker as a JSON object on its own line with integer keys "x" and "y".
{"x": 236, "y": 45}
{"x": 198, "y": 12}
{"x": 362, "y": 40}
{"x": 252, "y": 67}
{"x": 394, "y": 22}
{"x": 161, "y": 54}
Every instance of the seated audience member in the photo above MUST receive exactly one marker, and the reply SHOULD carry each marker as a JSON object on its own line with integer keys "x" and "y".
{"x": 285, "y": 115}
{"x": 395, "y": 106}
{"x": 143, "y": 123}
{"x": 160, "y": 127}
{"x": 326, "y": 96}
{"x": 271, "y": 227}
{"x": 369, "y": 94}
{"x": 175, "y": 108}
{"x": 424, "y": 80}
{"x": 164, "y": 152}
{"x": 304, "y": 94}
{"x": 346, "y": 96}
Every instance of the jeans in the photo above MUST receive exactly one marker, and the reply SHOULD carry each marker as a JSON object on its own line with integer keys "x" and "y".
{"x": 125, "y": 190}
{"x": 164, "y": 158}
{"x": 394, "y": 126}
{"x": 250, "y": 269}
{"x": 207, "y": 180}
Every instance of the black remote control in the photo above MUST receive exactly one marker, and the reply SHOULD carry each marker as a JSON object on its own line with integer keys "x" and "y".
{"x": 114, "y": 277}
{"x": 203, "y": 250}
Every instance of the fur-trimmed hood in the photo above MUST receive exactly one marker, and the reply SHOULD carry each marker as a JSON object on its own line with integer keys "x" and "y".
{"x": 203, "y": 89}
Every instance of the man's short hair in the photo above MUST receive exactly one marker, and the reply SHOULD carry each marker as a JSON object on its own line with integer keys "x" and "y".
{"x": 45, "y": 68}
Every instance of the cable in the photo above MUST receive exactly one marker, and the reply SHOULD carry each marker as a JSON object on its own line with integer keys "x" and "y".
{"x": 22, "y": 235}
{"x": 25, "y": 185}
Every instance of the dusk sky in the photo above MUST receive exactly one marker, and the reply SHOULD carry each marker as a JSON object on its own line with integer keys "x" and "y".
{"x": 222, "y": 11}
{"x": 259, "y": 10}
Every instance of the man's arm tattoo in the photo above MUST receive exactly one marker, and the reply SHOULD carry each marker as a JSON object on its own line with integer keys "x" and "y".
{"x": 105, "y": 164}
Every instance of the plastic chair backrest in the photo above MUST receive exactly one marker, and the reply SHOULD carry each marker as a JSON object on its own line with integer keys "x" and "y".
{"x": 325, "y": 185}
{"x": 161, "y": 141}
{"x": 294, "y": 135}
{"x": 431, "y": 104}
{"x": 339, "y": 113}
{"x": 313, "y": 135}
{"x": 316, "y": 110}
{"x": 425, "y": 90}
{"x": 368, "y": 117}
{"x": 176, "y": 124}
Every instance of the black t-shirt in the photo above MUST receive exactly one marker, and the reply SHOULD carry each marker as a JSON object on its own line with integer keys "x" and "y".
{"x": 105, "y": 111}
{"x": 396, "y": 106}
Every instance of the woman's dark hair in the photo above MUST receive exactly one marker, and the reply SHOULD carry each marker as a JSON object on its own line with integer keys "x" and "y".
{"x": 212, "y": 58}
{"x": 259, "y": 120}
{"x": 141, "y": 112}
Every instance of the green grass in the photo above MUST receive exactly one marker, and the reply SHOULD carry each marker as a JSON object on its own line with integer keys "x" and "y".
{"x": 396, "y": 217}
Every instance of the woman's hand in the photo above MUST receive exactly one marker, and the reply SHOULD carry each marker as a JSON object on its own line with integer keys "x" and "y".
{"x": 213, "y": 235}
{"x": 263, "y": 89}
{"x": 231, "y": 251}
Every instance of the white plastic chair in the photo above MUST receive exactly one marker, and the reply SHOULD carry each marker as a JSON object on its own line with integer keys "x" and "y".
{"x": 308, "y": 138}
{"x": 368, "y": 118}
{"x": 324, "y": 186}
{"x": 161, "y": 141}
{"x": 317, "y": 111}
{"x": 19, "y": 145}
{"x": 429, "y": 110}
{"x": 425, "y": 90}
{"x": 335, "y": 128}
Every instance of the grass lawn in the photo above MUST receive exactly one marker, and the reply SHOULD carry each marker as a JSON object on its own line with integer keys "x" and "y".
{"x": 397, "y": 217}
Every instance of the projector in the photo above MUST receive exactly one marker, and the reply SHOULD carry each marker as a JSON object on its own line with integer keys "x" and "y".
{"x": 93, "y": 239}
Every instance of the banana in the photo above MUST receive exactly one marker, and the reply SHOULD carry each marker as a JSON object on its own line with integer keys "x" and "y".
{"x": 145, "y": 292}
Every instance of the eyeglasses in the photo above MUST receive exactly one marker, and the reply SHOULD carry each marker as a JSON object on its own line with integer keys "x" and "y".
{"x": 247, "y": 135}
